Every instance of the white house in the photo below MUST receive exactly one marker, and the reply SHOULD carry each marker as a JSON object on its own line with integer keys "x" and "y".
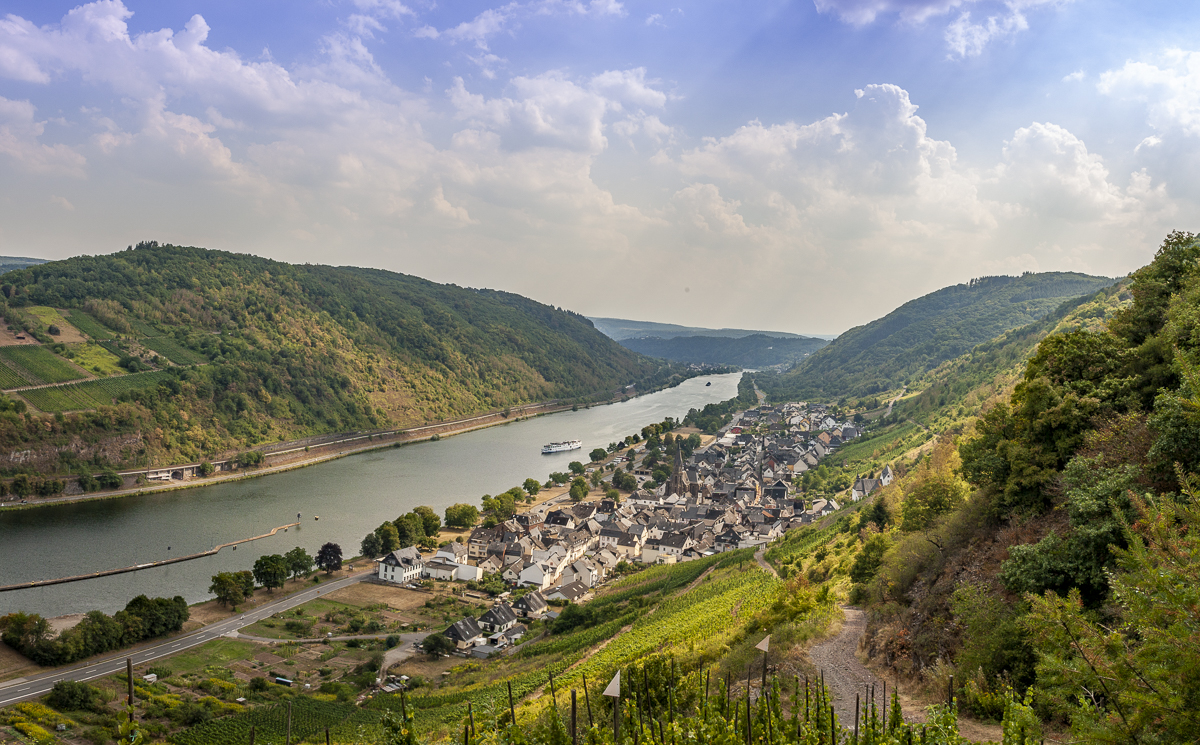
{"x": 538, "y": 574}
{"x": 401, "y": 566}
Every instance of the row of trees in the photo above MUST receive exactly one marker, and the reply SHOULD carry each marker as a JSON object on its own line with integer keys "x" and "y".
{"x": 271, "y": 571}
{"x": 143, "y": 618}
{"x": 417, "y": 528}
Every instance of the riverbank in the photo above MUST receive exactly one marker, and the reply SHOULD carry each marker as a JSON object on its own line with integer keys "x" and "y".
{"x": 287, "y": 456}
{"x": 301, "y": 453}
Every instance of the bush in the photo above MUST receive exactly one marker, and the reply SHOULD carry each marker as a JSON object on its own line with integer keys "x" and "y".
{"x": 70, "y": 695}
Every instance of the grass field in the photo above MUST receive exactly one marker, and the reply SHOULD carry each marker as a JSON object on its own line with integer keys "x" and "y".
{"x": 97, "y": 359}
{"x": 90, "y": 326}
{"x": 51, "y": 317}
{"x": 171, "y": 349}
{"x": 39, "y": 365}
{"x": 92, "y": 393}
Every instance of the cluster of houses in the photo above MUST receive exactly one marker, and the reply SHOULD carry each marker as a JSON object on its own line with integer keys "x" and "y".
{"x": 734, "y": 494}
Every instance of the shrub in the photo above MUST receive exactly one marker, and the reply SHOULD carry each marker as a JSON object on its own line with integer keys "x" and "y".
{"x": 70, "y": 695}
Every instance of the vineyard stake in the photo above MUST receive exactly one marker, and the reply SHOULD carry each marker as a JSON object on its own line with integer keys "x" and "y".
{"x": 251, "y": 734}
{"x": 326, "y": 736}
{"x": 856, "y": 697}
{"x": 403, "y": 706}
{"x": 950, "y": 692}
{"x": 466, "y": 734}
{"x": 553, "y": 695}
{"x": 129, "y": 675}
{"x": 832, "y": 727}
{"x": 512, "y": 710}
{"x": 289, "y": 724}
{"x": 588, "y": 701}
{"x": 747, "y": 716}
{"x": 574, "y": 732}
{"x": 471, "y": 715}
{"x": 885, "y": 708}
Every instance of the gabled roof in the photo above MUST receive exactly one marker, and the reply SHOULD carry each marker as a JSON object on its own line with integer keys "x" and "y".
{"x": 464, "y": 630}
{"x": 531, "y": 602}
{"x": 499, "y": 615}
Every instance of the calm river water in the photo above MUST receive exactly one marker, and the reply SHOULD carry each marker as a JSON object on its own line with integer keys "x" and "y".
{"x": 352, "y": 496}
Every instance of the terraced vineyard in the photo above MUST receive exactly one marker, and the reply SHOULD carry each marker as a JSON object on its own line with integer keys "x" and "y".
{"x": 89, "y": 325}
{"x": 172, "y": 350}
{"x": 38, "y": 365}
{"x": 309, "y": 718}
{"x": 91, "y": 394}
{"x": 10, "y": 379}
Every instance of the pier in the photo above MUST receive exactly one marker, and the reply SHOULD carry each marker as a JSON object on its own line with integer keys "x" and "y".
{"x": 139, "y": 567}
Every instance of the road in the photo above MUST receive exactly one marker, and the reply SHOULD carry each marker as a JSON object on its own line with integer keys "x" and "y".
{"x": 38, "y": 685}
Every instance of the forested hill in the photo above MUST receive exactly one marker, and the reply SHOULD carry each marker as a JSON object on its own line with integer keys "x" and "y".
{"x": 755, "y": 350}
{"x": 921, "y": 334}
{"x": 259, "y": 350}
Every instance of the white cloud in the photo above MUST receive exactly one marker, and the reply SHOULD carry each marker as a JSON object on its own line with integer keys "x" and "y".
{"x": 963, "y": 37}
{"x": 654, "y": 19}
{"x": 1074, "y": 77}
{"x": 1170, "y": 88}
{"x": 20, "y": 141}
{"x": 629, "y": 86}
{"x": 62, "y": 202}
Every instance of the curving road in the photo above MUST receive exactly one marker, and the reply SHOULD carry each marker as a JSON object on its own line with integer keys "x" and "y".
{"x": 21, "y": 689}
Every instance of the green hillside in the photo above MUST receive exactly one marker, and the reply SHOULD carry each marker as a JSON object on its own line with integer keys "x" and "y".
{"x": 259, "y": 351}
{"x": 921, "y": 334}
{"x": 756, "y": 350}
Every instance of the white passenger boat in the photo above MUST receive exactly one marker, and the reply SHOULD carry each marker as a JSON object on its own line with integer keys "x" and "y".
{"x": 561, "y": 447}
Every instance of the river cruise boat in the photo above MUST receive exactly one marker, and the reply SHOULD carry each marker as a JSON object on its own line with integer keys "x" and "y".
{"x": 561, "y": 447}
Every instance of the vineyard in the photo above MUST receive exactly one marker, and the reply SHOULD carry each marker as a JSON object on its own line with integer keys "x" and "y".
{"x": 173, "y": 351}
{"x": 38, "y": 365}
{"x": 10, "y": 379}
{"x": 310, "y": 717}
{"x": 92, "y": 393}
{"x": 89, "y": 325}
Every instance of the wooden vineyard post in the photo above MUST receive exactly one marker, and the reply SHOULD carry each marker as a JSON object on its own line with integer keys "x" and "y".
{"x": 252, "y": 734}
{"x": 289, "y": 724}
{"x": 471, "y": 716}
{"x": 587, "y": 700}
{"x": 129, "y": 675}
{"x": 512, "y": 709}
{"x": 574, "y": 721}
{"x": 856, "y": 712}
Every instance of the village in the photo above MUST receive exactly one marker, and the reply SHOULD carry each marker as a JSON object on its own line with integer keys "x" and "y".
{"x": 736, "y": 491}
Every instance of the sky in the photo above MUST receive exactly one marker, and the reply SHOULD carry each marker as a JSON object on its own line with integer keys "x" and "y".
{"x": 797, "y": 166}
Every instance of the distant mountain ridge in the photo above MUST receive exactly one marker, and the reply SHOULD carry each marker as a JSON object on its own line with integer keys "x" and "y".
{"x": 622, "y": 328}
{"x": 755, "y": 350}
{"x": 12, "y": 263}
{"x": 923, "y": 333}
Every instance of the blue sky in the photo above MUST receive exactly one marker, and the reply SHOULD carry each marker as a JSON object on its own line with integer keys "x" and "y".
{"x": 801, "y": 166}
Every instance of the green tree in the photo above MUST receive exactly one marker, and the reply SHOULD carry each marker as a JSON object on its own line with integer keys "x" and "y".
{"x": 329, "y": 557}
{"x": 437, "y": 644}
{"x": 271, "y": 571}
{"x": 430, "y": 521}
{"x": 410, "y": 530}
{"x": 299, "y": 562}
{"x": 1135, "y": 679}
{"x": 598, "y": 455}
{"x": 461, "y": 515}
{"x": 531, "y": 486}
{"x": 245, "y": 578}
{"x": 371, "y": 546}
{"x": 576, "y": 467}
{"x": 579, "y": 489}
{"x": 70, "y": 695}
{"x": 227, "y": 588}
{"x": 389, "y": 537}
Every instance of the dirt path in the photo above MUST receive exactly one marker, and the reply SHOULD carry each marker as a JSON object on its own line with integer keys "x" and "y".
{"x": 845, "y": 676}
{"x": 761, "y": 557}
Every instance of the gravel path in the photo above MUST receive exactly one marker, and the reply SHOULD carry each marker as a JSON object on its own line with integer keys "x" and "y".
{"x": 844, "y": 674}
{"x": 761, "y": 557}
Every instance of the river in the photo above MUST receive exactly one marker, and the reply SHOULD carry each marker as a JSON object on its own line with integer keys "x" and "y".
{"x": 351, "y": 495}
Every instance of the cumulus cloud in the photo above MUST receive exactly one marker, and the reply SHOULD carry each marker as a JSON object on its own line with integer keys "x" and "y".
{"x": 331, "y": 156}
{"x": 964, "y": 37}
{"x": 1169, "y": 86}
{"x": 20, "y": 142}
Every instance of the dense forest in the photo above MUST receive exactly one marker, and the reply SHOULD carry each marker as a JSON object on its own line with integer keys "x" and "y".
{"x": 1048, "y": 545}
{"x": 755, "y": 350}
{"x": 235, "y": 350}
{"x": 921, "y": 334}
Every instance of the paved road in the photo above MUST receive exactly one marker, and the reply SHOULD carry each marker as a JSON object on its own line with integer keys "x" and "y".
{"x": 38, "y": 685}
